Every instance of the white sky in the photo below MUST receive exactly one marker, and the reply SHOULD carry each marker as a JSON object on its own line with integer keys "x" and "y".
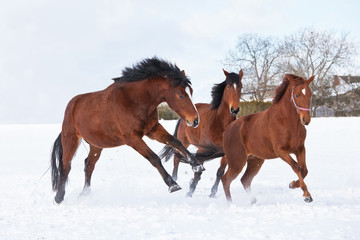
{"x": 51, "y": 51}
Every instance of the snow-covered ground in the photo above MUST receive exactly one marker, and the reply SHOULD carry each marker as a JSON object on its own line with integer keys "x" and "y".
{"x": 128, "y": 199}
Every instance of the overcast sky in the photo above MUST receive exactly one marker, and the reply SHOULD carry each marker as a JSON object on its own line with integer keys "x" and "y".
{"x": 51, "y": 51}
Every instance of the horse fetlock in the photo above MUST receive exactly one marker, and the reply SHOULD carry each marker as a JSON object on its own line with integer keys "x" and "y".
{"x": 294, "y": 184}
{"x": 174, "y": 187}
{"x": 198, "y": 168}
{"x": 190, "y": 193}
{"x": 59, "y": 197}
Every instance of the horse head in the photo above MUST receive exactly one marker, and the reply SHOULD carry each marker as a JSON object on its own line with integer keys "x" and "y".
{"x": 232, "y": 91}
{"x": 301, "y": 98}
{"x": 179, "y": 99}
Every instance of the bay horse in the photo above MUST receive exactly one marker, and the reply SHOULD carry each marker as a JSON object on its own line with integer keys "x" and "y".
{"x": 215, "y": 117}
{"x": 121, "y": 114}
{"x": 276, "y": 132}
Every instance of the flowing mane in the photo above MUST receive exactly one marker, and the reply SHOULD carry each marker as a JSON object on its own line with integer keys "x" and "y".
{"x": 280, "y": 90}
{"x": 154, "y": 67}
{"x": 217, "y": 90}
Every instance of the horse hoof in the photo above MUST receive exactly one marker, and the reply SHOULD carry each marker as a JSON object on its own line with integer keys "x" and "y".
{"x": 212, "y": 195}
{"x": 291, "y": 185}
{"x": 189, "y": 194}
{"x": 198, "y": 168}
{"x": 308, "y": 199}
{"x": 174, "y": 187}
{"x": 58, "y": 199}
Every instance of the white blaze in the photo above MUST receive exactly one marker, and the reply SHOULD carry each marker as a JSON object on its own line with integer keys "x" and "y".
{"x": 235, "y": 86}
{"x": 187, "y": 90}
{"x": 303, "y": 91}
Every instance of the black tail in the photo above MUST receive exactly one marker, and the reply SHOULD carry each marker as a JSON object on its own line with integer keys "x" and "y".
{"x": 167, "y": 152}
{"x": 56, "y": 162}
{"x": 209, "y": 152}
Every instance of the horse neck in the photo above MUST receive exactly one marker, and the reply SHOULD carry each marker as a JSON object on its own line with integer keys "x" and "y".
{"x": 223, "y": 114}
{"x": 286, "y": 108}
{"x": 145, "y": 93}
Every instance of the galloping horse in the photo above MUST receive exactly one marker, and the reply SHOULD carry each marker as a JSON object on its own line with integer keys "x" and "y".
{"x": 276, "y": 132}
{"x": 215, "y": 117}
{"x": 122, "y": 114}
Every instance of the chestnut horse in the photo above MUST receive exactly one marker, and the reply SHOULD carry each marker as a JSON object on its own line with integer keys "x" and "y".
{"x": 122, "y": 114}
{"x": 215, "y": 117}
{"x": 276, "y": 132}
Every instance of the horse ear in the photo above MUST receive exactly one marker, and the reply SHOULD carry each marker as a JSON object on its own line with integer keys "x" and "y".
{"x": 311, "y": 79}
{"x": 183, "y": 73}
{"x": 241, "y": 74}
{"x": 289, "y": 77}
{"x": 226, "y": 73}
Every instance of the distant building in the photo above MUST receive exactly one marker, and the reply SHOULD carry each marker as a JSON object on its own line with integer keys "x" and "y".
{"x": 344, "y": 99}
{"x": 323, "y": 111}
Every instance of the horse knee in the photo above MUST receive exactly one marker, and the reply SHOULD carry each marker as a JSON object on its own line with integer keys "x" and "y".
{"x": 304, "y": 172}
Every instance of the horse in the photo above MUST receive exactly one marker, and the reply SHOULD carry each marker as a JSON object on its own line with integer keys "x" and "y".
{"x": 214, "y": 119}
{"x": 274, "y": 133}
{"x": 121, "y": 114}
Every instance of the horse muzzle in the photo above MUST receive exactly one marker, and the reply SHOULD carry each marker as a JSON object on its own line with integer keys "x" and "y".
{"x": 194, "y": 123}
{"x": 305, "y": 119}
{"x": 234, "y": 111}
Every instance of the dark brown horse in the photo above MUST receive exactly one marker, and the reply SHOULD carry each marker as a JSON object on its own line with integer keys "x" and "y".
{"x": 215, "y": 117}
{"x": 276, "y": 132}
{"x": 122, "y": 114}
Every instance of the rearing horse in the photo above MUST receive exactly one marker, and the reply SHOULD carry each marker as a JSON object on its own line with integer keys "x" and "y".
{"x": 122, "y": 114}
{"x": 215, "y": 117}
{"x": 276, "y": 132}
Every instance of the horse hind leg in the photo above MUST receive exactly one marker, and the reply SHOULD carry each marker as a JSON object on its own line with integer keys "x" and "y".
{"x": 90, "y": 162}
{"x": 194, "y": 183}
{"x": 253, "y": 167}
{"x": 70, "y": 143}
{"x": 236, "y": 163}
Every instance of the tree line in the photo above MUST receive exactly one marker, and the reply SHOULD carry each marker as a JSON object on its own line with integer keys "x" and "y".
{"x": 265, "y": 60}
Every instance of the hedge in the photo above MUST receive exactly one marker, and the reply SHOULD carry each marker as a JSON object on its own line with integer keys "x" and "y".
{"x": 246, "y": 108}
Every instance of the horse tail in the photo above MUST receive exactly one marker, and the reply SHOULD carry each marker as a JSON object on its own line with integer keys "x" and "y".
{"x": 56, "y": 162}
{"x": 167, "y": 152}
{"x": 209, "y": 152}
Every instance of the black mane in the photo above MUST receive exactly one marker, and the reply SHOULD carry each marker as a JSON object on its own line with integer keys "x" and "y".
{"x": 280, "y": 90}
{"x": 217, "y": 90}
{"x": 154, "y": 67}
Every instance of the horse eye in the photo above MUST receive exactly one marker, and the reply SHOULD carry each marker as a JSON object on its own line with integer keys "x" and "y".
{"x": 296, "y": 96}
{"x": 182, "y": 96}
{"x": 228, "y": 86}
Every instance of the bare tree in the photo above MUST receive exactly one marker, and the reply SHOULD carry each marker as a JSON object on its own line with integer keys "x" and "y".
{"x": 321, "y": 53}
{"x": 259, "y": 58}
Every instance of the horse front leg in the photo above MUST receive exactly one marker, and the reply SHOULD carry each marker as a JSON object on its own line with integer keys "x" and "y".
{"x": 284, "y": 155}
{"x": 300, "y": 156}
{"x": 140, "y": 146}
{"x": 90, "y": 162}
{"x": 159, "y": 134}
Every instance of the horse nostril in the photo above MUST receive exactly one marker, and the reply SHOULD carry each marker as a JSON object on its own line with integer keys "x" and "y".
{"x": 233, "y": 111}
{"x": 196, "y": 123}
